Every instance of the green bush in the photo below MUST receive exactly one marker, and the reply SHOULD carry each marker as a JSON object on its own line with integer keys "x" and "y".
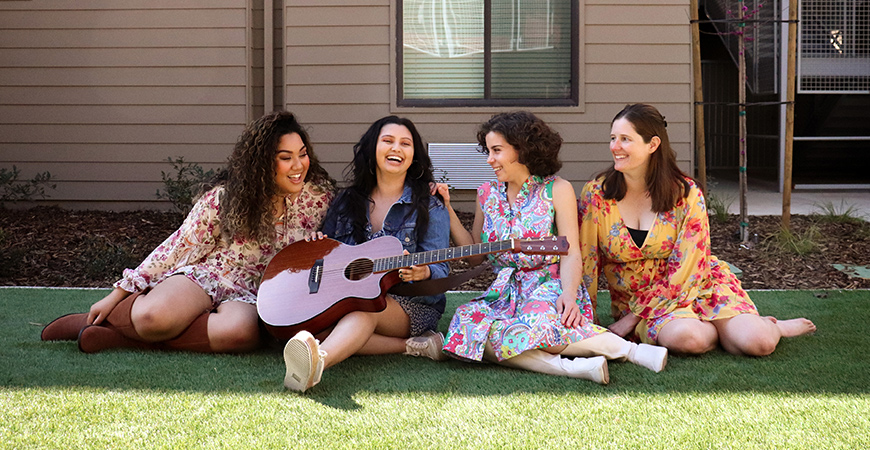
{"x": 829, "y": 212}
{"x": 717, "y": 207}
{"x": 182, "y": 187}
{"x": 11, "y": 258}
{"x": 795, "y": 242}
{"x": 103, "y": 259}
{"x": 12, "y": 189}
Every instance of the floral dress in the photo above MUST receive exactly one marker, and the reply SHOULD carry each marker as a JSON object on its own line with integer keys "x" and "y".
{"x": 671, "y": 276}
{"x": 226, "y": 271}
{"x": 518, "y": 312}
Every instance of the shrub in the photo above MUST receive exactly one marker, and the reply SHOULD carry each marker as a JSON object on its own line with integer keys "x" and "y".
{"x": 795, "y": 242}
{"x": 185, "y": 184}
{"x": 106, "y": 260}
{"x": 829, "y": 212}
{"x": 13, "y": 190}
{"x": 718, "y": 206}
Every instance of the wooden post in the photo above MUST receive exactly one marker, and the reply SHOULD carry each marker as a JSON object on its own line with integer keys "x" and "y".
{"x": 789, "y": 114}
{"x": 741, "y": 99}
{"x": 700, "y": 144}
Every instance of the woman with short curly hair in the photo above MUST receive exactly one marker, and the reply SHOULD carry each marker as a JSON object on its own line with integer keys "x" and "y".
{"x": 197, "y": 291}
{"x": 536, "y": 312}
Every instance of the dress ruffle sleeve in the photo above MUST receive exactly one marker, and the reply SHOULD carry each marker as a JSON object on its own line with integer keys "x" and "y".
{"x": 193, "y": 241}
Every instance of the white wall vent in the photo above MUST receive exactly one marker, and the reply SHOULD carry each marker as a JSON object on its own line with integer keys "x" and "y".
{"x": 462, "y": 166}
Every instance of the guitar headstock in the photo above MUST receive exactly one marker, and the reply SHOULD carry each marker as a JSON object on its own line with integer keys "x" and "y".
{"x": 553, "y": 245}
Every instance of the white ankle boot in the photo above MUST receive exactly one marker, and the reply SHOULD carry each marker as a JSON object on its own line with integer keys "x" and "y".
{"x": 614, "y": 347}
{"x": 652, "y": 357}
{"x": 593, "y": 369}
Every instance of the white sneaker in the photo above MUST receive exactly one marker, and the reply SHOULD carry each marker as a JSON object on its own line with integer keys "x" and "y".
{"x": 304, "y": 360}
{"x": 429, "y": 344}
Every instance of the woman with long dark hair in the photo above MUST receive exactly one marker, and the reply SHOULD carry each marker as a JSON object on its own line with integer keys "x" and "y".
{"x": 644, "y": 226}
{"x": 197, "y": 291}
{"x": 390, "y": 179}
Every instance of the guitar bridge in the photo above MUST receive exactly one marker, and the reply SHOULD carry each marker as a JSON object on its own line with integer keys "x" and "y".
{"x": 314, "y": 277}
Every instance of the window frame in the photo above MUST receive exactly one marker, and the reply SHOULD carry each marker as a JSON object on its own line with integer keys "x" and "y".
{"x": 574, "y": 100}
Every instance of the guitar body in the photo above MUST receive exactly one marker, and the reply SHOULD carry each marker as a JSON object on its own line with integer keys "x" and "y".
{"x": 310, "y": 285}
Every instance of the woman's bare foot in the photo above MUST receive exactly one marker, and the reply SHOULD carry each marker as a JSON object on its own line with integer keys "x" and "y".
{"x": 625, "y": 325}
{"x": 795, "y": 327}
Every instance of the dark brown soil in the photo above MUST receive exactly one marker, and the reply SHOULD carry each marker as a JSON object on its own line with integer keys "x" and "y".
{"x": 54, "y": 247}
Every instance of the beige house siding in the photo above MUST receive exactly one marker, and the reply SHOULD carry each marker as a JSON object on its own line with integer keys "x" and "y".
{"x": 100, "y": 93}
{"x": 339, "y": 66}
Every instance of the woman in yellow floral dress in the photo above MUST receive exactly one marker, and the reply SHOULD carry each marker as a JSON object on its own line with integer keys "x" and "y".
{"x": 197, "y": 291}
{"x": 643, "y": 223}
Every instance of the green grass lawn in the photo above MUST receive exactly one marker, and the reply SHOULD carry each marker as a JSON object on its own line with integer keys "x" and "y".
{"x": 811, "y": 393}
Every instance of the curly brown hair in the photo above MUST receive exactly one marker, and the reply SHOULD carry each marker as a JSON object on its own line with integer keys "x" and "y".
{"x": 536, "y": 143}
{"x": 249, "y": 180}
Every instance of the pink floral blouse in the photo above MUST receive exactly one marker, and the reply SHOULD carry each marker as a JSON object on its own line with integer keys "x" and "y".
{"x": 227, "y": 271}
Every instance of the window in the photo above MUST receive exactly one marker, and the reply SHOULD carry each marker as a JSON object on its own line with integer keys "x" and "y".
{"x": 488, "y": 53}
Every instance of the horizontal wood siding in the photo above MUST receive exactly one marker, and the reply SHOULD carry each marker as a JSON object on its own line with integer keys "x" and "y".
{"x": 338, "y": 78}
{"x": 101, "y": 93}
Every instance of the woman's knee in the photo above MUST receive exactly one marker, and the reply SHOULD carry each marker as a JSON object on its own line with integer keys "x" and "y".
{"x": 150, "y": 321}
{"x": 762, "y": 344}
{"x": 749, "y": 335}
{"x": 692, "y": 338}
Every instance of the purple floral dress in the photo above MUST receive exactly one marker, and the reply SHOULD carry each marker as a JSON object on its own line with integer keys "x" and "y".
{"x": 226, "y": 271}
{"x": 518, "y": 312}
{"x": 671, "y": 276}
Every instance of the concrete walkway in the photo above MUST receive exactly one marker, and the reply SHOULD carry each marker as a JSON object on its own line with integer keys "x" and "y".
{"x": 764, "y": 200}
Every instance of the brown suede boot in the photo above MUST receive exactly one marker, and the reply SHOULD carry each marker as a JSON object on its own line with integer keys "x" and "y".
{"x": 119, "y": 318}
{"x": 96, "y": 338}
{"x": 194, "y": 338}
{"x": 65, "y": 328}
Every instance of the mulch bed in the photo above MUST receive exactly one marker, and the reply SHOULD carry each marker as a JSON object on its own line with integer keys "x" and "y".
{"x": 49, "y": 246}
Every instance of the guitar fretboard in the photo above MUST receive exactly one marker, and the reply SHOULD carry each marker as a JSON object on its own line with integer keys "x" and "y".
{"x": 441, "y": 255}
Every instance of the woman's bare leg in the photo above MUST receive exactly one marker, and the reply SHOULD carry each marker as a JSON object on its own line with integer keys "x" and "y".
{"x": 752, "y": 335}
{"x": 690, "y": 336}
{"x": 353, "y": 334}
{"x": 233, "y": 328}
{"x": 168, "y": 309}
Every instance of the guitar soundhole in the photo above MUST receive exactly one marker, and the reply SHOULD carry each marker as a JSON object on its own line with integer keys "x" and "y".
{"x": 359, "y": 269}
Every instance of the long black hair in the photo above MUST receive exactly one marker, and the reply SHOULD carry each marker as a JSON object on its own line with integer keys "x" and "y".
{"x": 360, "y": 173}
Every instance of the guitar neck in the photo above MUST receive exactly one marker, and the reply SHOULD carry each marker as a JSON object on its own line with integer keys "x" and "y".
{"x": 444, "y": 254}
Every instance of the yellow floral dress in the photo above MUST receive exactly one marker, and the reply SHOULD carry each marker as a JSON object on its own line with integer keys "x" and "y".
{"x": 671, "y": 276}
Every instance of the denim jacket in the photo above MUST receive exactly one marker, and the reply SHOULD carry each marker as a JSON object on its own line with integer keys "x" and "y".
{"x": 401, "y": 222}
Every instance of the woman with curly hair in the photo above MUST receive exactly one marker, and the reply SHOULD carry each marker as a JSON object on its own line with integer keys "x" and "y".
{"x": 644, "y": 226}
{"x": 536, "y": 313}
{"x": 390, "y": 180}
{"x": 197, "y": 291}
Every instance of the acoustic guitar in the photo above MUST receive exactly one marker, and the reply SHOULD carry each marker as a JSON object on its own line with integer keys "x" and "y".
{"x": 310, "y": 285}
